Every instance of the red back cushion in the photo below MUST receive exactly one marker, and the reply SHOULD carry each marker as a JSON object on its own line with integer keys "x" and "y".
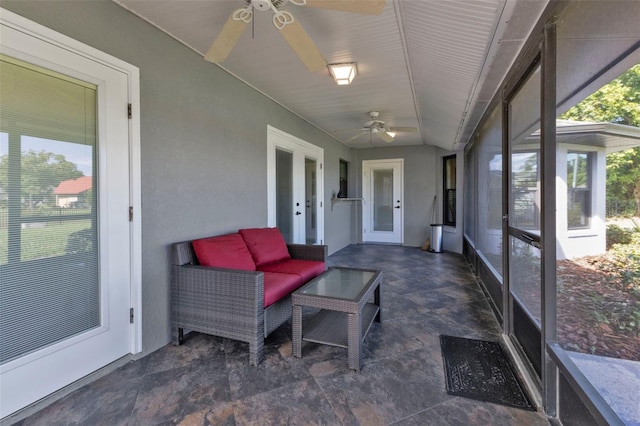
{"x": 225, "y": 251}
{"x": 266, "y": 245}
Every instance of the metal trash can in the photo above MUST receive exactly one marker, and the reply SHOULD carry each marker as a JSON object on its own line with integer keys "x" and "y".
{"x": 436, "y": 238}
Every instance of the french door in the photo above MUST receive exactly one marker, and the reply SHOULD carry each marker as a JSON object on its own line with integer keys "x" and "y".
{"x": 65, "y": 237}
{"x": 295, "y": 188}
{"x": 382, "y": 188}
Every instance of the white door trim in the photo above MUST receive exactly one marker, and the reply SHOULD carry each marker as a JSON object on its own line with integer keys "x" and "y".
{"x": 367, "y": 235}
{"x": 278, "y": 138}
{"x": 15, "y": 24}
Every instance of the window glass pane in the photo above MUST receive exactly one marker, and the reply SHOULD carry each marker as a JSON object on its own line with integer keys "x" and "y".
{"x": 55, "y": 193}
{"x": 578, "y": 189}
{"x": 525, "y": 203}
{"x": 525, "y": 196}
{"x": 526, "y": 273}
{"x": 344, "y": 182}
{"x": 469, "y": 195}
{"x": 4, "y": 213}
{"x": 284, "y": 193}
{"x": 383, "y": 200}
{"x": 490, "y": 193}
{"x": 449, "y": 190}
{"x": 598, "y": 272}
{"x": 49, "y": 282}
{"x": 311, "y": 219}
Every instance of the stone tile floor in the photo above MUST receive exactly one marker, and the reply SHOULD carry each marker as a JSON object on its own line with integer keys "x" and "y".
{"x": 207, "y": 380}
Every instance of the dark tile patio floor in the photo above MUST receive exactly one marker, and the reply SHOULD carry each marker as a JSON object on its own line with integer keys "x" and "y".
{"x": 207, "y": 380}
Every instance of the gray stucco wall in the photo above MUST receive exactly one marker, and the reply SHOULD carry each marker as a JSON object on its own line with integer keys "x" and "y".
{"x": 422, "y": 180}
{"x": 203, "y": 143}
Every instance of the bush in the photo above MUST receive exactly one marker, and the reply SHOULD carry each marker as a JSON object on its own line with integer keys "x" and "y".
{"x": 617, "y": 235}
{"x": 80, "y": 242}
{"x": 627, "y": 258}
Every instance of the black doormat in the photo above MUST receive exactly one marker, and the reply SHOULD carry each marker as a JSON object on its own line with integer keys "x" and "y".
{"x": 479, "y": 369}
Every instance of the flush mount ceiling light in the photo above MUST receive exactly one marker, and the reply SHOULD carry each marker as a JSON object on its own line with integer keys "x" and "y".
{"x": 343, "y": 74}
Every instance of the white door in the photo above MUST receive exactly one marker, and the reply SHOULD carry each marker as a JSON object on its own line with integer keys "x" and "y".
{"x": 382, "y": 219}
{"x": 295, "y": 188}
{"x": 65, "y": 264}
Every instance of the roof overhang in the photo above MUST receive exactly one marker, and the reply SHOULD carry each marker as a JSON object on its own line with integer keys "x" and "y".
{"x": 611, "y": 136}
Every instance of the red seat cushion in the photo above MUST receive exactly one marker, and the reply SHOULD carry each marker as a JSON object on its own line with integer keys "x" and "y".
{"x": 277, "y": 286}
{"x": 305, "y": 269}
{"x": 266, "y": 245}
{"x": 224, "y": 251}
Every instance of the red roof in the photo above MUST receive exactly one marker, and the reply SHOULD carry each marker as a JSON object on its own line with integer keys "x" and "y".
{"x": 74, "y": 186}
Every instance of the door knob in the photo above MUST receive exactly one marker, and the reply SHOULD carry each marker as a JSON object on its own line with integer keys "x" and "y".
{"x": 397, "y": 207}
{"x": 298, "y": 213}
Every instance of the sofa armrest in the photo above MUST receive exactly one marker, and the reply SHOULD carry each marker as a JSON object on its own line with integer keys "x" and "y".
{"x": 308, "y": 252}
{"x": 224, "y": 302}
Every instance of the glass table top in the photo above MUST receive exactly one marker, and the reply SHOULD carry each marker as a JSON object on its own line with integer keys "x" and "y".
{"x": 340, "y": 283}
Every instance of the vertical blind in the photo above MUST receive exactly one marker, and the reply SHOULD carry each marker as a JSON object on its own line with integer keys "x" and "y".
{"x": 49, "y": 281}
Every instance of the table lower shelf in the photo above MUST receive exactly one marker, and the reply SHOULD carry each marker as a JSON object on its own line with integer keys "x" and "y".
{"x": 330, "y": 327}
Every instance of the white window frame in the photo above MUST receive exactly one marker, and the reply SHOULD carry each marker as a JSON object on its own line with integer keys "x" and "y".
{"x": 36, "y": 30}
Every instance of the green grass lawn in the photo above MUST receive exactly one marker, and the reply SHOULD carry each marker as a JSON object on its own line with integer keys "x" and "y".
{"x": 47, "y": 241}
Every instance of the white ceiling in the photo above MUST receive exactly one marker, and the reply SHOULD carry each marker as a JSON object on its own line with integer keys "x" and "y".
{"x": 429, "y": 64}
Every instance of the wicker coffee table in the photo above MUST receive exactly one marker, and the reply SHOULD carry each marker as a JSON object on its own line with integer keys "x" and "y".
{"x": 346, "y": 310}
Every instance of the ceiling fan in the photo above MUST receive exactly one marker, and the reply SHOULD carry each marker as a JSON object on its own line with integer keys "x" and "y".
{"x": 289, "y": 27}
{"x": 378, "y": 128}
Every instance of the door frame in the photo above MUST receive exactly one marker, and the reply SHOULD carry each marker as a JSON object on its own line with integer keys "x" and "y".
{"x": 529, "y": 345}
{"x": 278, "y": 139}
{"x": 31, "y": 53}
{"x": 366, "y": 217}
{"x": 542, "y": 53}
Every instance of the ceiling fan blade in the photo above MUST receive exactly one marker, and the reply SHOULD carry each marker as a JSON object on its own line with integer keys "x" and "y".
{"x": 369, "y": 7}
{"x": 352, "y": 130}
{"x": 304, "y": 47}
{"x": 403, "y": 129}
{"x": 225, "y": 41}
{"x": 385, "y": 136}
{"x": 353, "y": 137}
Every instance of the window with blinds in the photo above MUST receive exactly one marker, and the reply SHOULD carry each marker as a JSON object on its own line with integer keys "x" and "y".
{"x": 49, "y": 281}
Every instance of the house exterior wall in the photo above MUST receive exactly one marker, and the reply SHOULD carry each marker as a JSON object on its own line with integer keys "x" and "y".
{"x": 66, "y": 200}
{"x": 591, "y": 240}
{"x": 203, "y": 144}
{"x": 422, "y": 180}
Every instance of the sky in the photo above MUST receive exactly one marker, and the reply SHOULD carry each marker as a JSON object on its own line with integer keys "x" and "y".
{"x": 79, "y": 154}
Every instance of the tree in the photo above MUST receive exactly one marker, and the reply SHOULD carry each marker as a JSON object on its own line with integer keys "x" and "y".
{"x": 617, "y": 102}
{"x": 41, "y": 173}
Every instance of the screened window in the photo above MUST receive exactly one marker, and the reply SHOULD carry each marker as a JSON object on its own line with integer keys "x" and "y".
{"x": 578, "y": 189}
{"x": 489, "y": 193}
{"x": 469, "y": 195}
{"x": 494, "y": 206}
{"x": 49, "y": 287}
{"x": 525, "y": 190}
{"x": 449, "y": 190}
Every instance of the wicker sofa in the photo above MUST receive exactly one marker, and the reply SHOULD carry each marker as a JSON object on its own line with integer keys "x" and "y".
{"x": 239, "y": 285}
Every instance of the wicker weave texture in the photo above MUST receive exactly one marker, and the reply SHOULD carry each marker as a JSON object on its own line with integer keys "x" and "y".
{"x": 226, "y": 302}
{"x": 353, "y": 309}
